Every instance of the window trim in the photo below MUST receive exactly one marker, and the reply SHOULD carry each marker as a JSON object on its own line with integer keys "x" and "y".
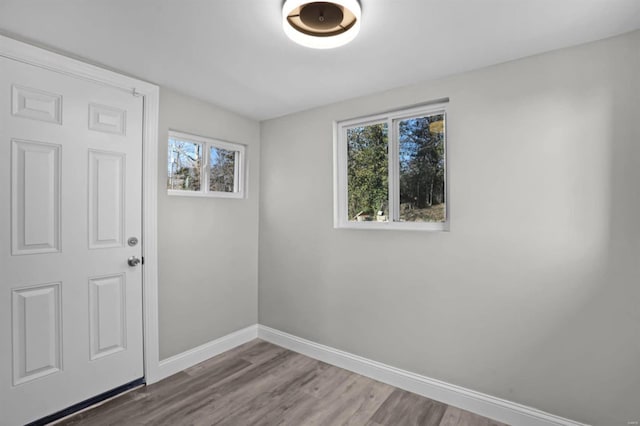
{"x": 207, "y": 143}
{"x": 340, "y": 184}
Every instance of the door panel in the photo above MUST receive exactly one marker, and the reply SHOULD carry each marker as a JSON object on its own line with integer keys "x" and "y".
{"x": 36, "y": 104}
{"x": 36, "y": 332}
{"x": 107, "y": 315}
{"x": 70, "y": 196}
{"x": 107, "y": 119}
{"x": 106, "y": 199}
{"x": 35, "y": 190}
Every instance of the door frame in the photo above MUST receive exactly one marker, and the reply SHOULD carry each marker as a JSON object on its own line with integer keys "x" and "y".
{"x": 43, "y": 58}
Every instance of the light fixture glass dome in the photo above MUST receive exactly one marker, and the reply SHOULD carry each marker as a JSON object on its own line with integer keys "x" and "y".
{"x": 321, "y": 24}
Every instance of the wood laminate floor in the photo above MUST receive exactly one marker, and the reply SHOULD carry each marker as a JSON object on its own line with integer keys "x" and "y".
{"x": 262, "y": 384}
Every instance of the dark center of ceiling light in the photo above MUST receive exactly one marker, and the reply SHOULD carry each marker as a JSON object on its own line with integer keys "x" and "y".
{"x": 321, "y": 16}
{"x": 321, "y": 24}
{"x": 321, "y": 19}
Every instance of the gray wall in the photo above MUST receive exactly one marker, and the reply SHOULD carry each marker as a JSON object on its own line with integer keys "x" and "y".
{"x": 534, "y": 295}
{"x": 208, "y": 247}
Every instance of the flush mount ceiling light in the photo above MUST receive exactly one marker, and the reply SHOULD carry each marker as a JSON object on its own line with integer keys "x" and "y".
{"x": 321, "y": 24}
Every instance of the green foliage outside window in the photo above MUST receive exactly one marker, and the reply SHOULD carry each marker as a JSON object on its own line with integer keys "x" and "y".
{"x": 421, "y": 169}
{"x": 367, "y": 171}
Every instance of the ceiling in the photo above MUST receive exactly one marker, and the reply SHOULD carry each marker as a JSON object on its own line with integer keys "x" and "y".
{"x": 234, "y": 54}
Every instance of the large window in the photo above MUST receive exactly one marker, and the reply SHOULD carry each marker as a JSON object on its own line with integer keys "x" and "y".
{"x": 201, "y": 166}
{"x": 391, "y": 171}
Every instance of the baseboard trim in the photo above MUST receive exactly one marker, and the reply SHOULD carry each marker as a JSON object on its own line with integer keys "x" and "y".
{"x": 184, "y": 360}
{"x": 477, "y": 402}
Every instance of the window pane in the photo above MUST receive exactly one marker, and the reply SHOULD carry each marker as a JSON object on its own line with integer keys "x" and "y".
{"x": 368, "y": 173}
{"x": 222, "y": 170}
{"x": 185, "y": 162}
{"x": 422, "y": 169}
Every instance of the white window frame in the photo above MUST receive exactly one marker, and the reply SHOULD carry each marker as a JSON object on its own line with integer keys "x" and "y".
{"x": 340, "y": 189}
{"x": 207, "y": 144}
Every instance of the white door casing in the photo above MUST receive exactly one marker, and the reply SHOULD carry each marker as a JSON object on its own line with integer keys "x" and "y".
{"x": 70, "y": 196}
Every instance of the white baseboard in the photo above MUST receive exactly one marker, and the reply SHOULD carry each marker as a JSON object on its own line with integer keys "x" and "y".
{"x": 485, "y": 405}
{"x": 194, "y": 356}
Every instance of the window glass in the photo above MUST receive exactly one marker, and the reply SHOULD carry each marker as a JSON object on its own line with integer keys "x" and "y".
{"x": 185, "y": 165}
{"x": 391, "y": 171}
{"x": 222, "y": 169}
{"x": 422, "y": 169}
{"x": 368, "y": 173}
{"x": 199, "y": 166}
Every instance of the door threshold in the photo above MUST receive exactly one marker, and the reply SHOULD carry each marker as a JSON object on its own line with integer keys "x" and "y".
{"x": 88, "y": 404}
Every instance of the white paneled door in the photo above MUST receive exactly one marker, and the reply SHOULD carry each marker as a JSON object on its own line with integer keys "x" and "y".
{"x": 70, "y": 206}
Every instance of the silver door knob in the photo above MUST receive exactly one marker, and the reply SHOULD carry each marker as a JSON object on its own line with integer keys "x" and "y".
{"x": 133, "y": 261}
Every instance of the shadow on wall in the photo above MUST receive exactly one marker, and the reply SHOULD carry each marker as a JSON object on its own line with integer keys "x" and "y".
{"x": 575, "y": 303}
{"x": 599, "y": 322}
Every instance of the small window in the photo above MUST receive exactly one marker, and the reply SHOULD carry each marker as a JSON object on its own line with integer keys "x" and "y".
{"x": 200, "y": 166}
{"x": 390, "y": 171}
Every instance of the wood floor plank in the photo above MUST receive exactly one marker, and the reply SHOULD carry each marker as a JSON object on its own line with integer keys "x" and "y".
{"x": 261, "y": 352}
{"x": 327, "y": 381}
{"x": 212, "y": 397}
{"x": 261, "y": 384}
{"x": 246, "y": 406}
{"x": 261, "y": 406}
{"x": 351, "y": 401}
{"x": 403, "y": 408}
{"x": 472, "y": 419}
{"x": 357, "y": 405}
{"x": 374, "y": 397}
{"x": 328, "y": 410}
{"x": 292, "y": 399}
{"x": 451, "y": 417}
{"x": 231, "y": 354}
{"x": 219, "y": 401}
{"x": 158, "y": 406}
{"x": 277, "y": 413}
{"x": 458, "y": 417}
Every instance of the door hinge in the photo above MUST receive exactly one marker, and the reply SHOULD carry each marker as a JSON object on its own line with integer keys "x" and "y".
{"x": 142, "y": 259}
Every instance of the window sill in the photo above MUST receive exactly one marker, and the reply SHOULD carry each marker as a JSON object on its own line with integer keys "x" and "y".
{"x": 395, "y": 226}
{"x": 179, "y": 193}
